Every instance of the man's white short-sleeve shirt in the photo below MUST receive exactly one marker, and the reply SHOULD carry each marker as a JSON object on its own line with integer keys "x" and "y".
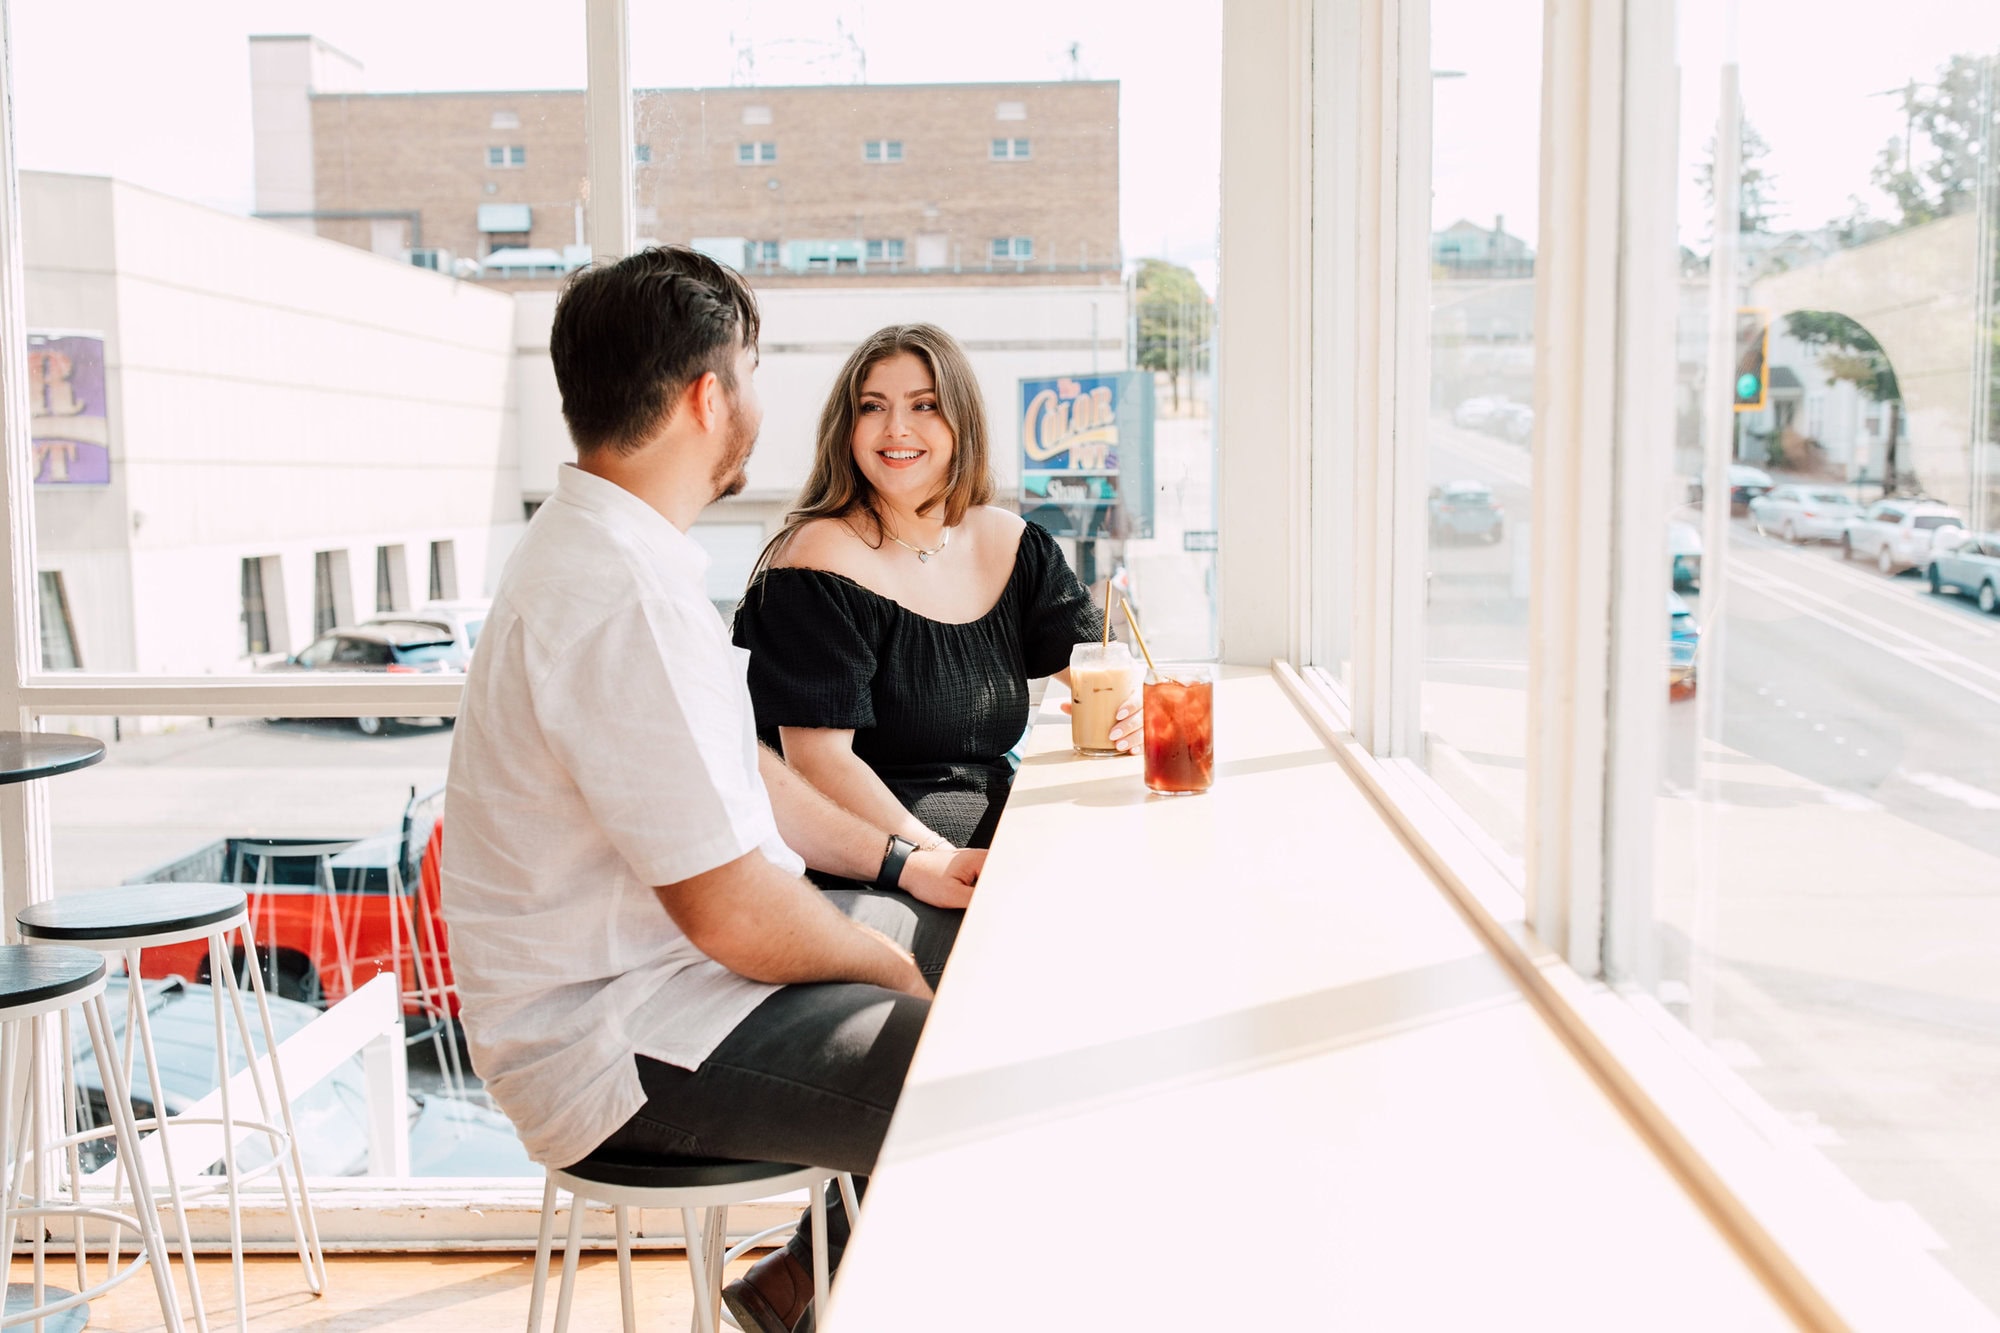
{"x": 605, "y": 745}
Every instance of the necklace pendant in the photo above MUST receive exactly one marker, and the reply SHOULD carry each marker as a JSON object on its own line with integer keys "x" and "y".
{"x": 923, "y": 557}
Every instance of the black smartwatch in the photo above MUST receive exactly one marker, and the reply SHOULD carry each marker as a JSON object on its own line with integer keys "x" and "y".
{"x": 893, "y": 857}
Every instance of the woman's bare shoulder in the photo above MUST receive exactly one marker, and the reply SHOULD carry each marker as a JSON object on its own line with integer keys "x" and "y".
{"x": 992, "y": 520}
{"x": 823, "y": 543}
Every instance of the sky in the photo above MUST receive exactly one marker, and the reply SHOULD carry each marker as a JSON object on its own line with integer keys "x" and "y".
{"x": 1808, "y": 69}
{"x": 158, "y": 93}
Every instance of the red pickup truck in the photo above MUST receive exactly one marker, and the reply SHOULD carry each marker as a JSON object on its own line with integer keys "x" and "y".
{"x": 293, "y": 916}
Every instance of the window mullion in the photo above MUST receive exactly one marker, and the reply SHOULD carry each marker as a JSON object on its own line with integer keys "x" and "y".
{"x": 608, "y": 121}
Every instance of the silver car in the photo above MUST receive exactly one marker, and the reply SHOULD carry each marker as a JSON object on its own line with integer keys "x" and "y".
{"x": 1897, "y": 534}
{"x": 1968, "y": 566}
{"x": 1804, "y": 513}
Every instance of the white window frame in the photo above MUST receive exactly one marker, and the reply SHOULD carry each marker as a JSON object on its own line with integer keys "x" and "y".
{"x": 1009, "y": 149}
{"x": 756, "y": 152}
{"x": 882, "y": 150}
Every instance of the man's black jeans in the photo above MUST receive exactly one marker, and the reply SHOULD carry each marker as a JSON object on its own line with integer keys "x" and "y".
{"x": 811, "y": 1076}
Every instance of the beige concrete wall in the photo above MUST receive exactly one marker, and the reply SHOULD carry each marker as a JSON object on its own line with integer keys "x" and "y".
{"x": 1914, "y": 291}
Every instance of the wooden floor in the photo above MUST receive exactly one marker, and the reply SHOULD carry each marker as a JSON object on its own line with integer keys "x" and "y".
{"x": 378, "y": 1293}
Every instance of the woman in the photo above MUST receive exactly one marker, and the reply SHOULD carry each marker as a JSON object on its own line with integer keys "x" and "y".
{"x": 893, "y": 625}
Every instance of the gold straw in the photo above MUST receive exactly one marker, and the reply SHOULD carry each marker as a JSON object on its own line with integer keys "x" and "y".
{"x": 1133, "y": 621}
{"x": 1107, "y": 613}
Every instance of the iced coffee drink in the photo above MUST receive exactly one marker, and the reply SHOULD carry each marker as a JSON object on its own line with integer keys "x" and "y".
{"x": 1101, "y": 677}
{"x": 1180, "y": 730}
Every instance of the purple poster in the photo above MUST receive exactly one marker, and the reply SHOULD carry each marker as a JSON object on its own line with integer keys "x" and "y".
{"x": 68, "y": 423}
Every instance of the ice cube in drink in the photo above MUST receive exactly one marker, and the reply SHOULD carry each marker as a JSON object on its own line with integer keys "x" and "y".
{"x": 1180, "y": 730}
{"x": 1101, "y": 677}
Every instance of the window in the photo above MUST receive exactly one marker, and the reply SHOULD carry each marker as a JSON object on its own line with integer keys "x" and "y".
{"x": 763, "y": 252}
{"x": 1011, "y": 111}
{"x": 642, "y": 153}
{"x": 257, "y": 606}
{"x": 333, "y": 595}
{"x": 58, "y": 630}
{"x": 1012, "y": 247}
{"x": 882, "y": 150}
{"x": 517, "y": 156}
{"x": 392, "y": 579}
{"x": 886, "y": 251}
{"x": 506, "y": 120}
{"x": 756, "y": 115}
{"x": 1473, "y": 698}
{"x": 507, "y": 155}
{"x": 750, "y": 154}
{"x": 1009, "y": 150}
{"x": 444, "y": 571}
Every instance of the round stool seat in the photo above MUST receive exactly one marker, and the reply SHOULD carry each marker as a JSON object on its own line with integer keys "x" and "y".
{"x": 42, "y": 976}
{"x": 661, "y": 1171}
{"x": 131, "y": 912}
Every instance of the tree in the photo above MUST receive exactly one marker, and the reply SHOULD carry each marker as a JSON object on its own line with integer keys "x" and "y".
{"x": 1757, "y": 194}
{"x": 1175, "y": 317}
{"x": 1940, "y": 177}
{"x": 1849, "y": 352}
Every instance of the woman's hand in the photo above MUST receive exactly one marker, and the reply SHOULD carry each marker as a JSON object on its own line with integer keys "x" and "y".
{"x": 944, "y": 877}
{"x": 1128, "y": 733}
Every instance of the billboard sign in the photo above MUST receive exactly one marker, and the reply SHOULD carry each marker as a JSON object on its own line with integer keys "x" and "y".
{"x": 68, "y": 422}
{"x": 1087, "y": 454}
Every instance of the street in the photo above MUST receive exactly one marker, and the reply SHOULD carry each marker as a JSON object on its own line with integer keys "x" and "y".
{"x": 1828, "y": 869}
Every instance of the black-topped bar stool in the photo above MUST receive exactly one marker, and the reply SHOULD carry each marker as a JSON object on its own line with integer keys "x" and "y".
{"x": 36, "y": 981}
{"x": 704, "y": 1185}
{"x": 119, "y": 923}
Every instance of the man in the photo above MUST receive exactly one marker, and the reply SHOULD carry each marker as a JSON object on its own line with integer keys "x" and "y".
{"x": 641, "y": 966}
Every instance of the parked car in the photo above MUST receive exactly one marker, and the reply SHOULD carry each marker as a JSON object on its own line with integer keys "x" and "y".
{"x": 293, "y": 916}
{"x": 1967, "y": 564}
{"x": 448, "y": 1136}
{"x": 1897, "y": 534}
{"x": 1512, "y": 421}
{"x": 1804, "y": 513}
{"x": 463, "y": 618}
{"x": 396, "y": 646}
{"x": 1684, "y": 542}
{"x": 1746, "y": 483}
{"x": 1683, "y": 646}
{"x": 1474, "y": 413}
{"x": 1462, "y": 510}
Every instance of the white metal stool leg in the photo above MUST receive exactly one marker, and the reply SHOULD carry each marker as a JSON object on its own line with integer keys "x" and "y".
{"x": 138, "y": 1022}
{"x": 707, "y": 1296}
{"x": 620, "y": 1219}
{"x": 119, "y": 1096}
{"x": 570, "y": 1248}
{"x": 542, "y": 1245}
{"x": 822, "y": 1278}
{"x": 305, "y": 1227}
{"x": 229, "y": 1173}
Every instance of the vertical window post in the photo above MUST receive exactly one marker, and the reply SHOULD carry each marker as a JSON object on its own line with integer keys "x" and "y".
{"x": 608, "y": 120}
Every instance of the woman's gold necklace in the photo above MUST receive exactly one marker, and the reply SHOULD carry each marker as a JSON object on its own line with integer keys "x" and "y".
{"x": 923, "y": 556}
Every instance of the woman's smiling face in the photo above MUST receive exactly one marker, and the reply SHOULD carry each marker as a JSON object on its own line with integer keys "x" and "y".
{"x": 901, "y": 442}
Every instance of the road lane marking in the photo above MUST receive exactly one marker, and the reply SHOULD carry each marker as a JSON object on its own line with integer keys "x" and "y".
{"x": 1754, "y": 584}
{"x": 1953, "y": 790}
{"x": 1920, "y": 651}
{"x": 1901, "y": 594}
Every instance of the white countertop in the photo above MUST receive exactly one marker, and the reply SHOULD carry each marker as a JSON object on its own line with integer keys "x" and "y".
{"x": 1232, "y": 1060}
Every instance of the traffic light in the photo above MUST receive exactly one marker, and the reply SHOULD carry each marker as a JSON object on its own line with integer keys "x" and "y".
{"x": 1753, "y": 357}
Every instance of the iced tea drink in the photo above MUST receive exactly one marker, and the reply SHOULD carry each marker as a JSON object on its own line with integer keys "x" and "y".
{"x": 1101, "y": 677}
{"x": 1180, "y": 730}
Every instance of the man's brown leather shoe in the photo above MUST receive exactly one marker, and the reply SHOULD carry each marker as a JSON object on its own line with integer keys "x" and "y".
{"x": 774, "y": 1296}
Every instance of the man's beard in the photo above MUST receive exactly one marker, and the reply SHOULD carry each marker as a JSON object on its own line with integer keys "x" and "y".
{"x": 729, "y": 477}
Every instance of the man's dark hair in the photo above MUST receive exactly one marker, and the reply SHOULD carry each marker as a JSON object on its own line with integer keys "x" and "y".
{"x": 631, "y": 336}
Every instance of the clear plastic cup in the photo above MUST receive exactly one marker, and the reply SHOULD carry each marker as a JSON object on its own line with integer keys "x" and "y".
{"x": 1180, "y": 730}
{"x": 1101, "y": 677}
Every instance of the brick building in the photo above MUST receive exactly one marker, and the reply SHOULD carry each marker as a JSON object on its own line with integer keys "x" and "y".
{"x": 922, "y": 183}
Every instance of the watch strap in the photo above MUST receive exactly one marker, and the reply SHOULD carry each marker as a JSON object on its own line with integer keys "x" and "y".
{"x": 893, "y": 858}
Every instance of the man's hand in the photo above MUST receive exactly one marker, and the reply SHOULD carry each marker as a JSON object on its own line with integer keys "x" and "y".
{"x": 944, "y": 877}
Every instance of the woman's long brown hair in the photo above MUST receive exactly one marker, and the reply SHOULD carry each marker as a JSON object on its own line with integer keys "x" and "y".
{"x": 836, "y": 488}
